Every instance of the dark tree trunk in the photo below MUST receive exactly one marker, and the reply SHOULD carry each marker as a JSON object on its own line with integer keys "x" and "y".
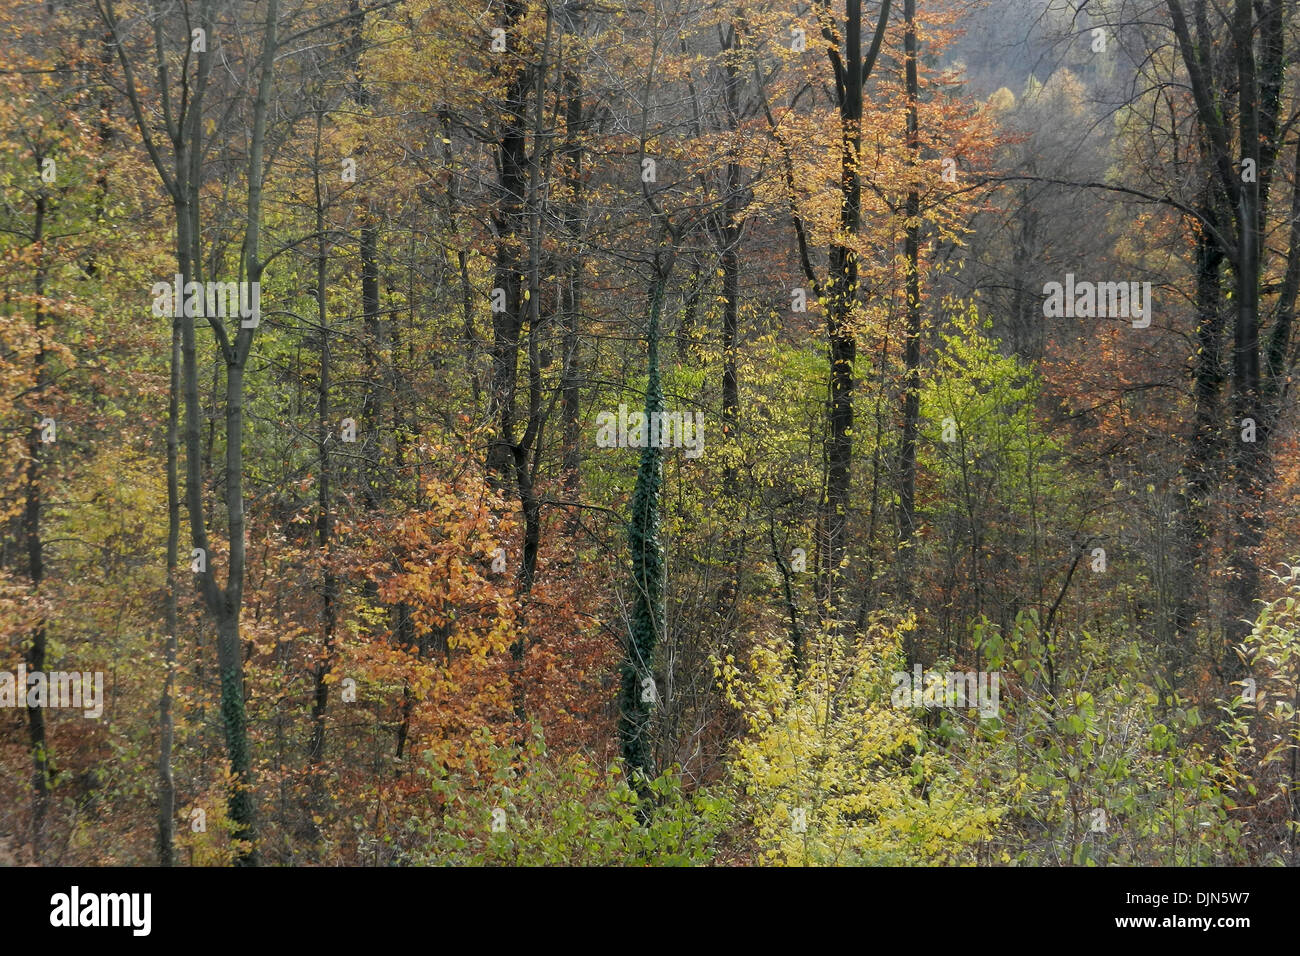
{"x": 638, "y": 692}
{"x": 1202, "y": 464}
{"x": 571, "y": 291}
{"x": 41, "y": 771}
{"x": 851, "y": 71}
{"x": 1257, "y": 83}
{"x": 166, "y": 732}
{"x": 912, "y": 349}
{"x": 324, "y": 519}
{"x": 508, "y": 227}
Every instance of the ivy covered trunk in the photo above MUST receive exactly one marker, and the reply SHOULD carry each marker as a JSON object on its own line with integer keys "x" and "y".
{"x": 639, "y": 691}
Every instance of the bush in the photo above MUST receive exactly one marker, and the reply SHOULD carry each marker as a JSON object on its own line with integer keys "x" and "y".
{"x": 833, "y": 774}
{"x": 531, "y": 808}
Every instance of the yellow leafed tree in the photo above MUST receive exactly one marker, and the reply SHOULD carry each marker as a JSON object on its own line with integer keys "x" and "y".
{"x": 834, "y": 775}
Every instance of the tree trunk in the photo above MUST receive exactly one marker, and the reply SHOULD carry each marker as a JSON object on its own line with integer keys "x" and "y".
{"x": 729, "y": 234}
{"x": 507, "y": 224}
{"x": 182, "y": 181}
{"x": 1258, "y": 85}
{"x": 41, "y": 772}
{"x": 842, "y": 294}
{"x": 324, "y": 519}
{"x": 639, "y": 692}
{"x": 1201, "y": 465}
{"x": 166, "y": 733}
{"x": 571, "y": 292}
{"x": 912, "y": 349}
{"x": 851, "y": 72}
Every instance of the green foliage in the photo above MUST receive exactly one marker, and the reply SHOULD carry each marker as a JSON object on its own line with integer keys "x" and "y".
{"x": 997, "y": 507}
{"x": 992, "y": 449}
{"x": 1104, "y": 770}
{"x": 562, "y": 811}
{"x": 1263, "y": 728}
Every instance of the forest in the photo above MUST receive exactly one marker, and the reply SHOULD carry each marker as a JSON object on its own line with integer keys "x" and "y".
{"x": 649, "y": 433}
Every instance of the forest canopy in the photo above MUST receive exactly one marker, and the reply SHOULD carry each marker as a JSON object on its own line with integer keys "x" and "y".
{"x": 673, "y": 432}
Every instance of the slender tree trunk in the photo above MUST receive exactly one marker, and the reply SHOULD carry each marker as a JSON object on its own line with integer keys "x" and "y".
{"x": 1203, "y": 453}
{"x": 184, "y": 129}
{"x": 525, "y": 453}
{"x": 227, "y": 603}
{"x": 507, "y": 224}
{"x": 166, "y": 732}
{"x": 324, "y": 516}
{"x": 733, "y": 203}
{"x": 728, "y": 235}
{"x": 1026, "y": 324}
{"x": 41, "y": 769}
{"x": 370, "y": 451}
{"x": 371, "y": 400}
{"x": 571, "y": 294}
{"x": 912, "y": 349}
{"x": 1250, "y": 457}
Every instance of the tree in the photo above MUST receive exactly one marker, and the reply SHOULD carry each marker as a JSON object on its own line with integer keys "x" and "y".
{"x": 184, "y": 131}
